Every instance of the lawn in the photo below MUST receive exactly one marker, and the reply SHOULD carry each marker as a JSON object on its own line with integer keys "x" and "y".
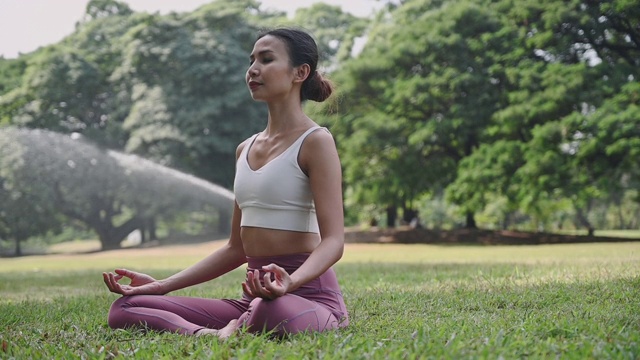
{"x": 406, "y": 302}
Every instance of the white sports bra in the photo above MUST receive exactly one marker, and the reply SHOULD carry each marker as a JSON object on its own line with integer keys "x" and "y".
{"x": 278, "y": 195}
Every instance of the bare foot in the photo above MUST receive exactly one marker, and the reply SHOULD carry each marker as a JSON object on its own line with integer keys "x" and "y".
{"x": 223, "y": 333}
{"x": 228, "y": 330}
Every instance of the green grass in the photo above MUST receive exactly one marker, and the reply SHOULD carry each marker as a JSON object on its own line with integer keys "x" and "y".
{"x": 406, "y": 302}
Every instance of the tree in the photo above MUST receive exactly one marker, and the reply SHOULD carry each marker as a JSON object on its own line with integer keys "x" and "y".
{"x": 97, "y": 9}
{"x": 11, "y": 72}
{"x": 111, "y": 193}
{"x": 167, "y": 87}
{"x": 23, "y": 214}
{"x": 488, "y": 174}
{"x": 183, "y": 77}
{"x": 431, "y": 71}
{"x": 572, "y": 58}
{"x": 66, "y": 86}
{"x": 609, "y": 143}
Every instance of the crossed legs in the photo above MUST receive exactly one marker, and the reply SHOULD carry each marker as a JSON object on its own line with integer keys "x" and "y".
{"x": 289, "y": 314}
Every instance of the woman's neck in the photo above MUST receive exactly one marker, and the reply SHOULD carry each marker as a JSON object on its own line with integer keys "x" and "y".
{"x": 285, "y": 117}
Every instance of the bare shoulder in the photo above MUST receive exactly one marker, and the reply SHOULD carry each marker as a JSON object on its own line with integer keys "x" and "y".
{"x": 318, "y": 148}
{"x": 320, "y": 139}
{"x": 241, "y": 147}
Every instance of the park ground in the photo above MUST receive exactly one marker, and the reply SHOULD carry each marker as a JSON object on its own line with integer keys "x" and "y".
{"x": 406, "y": 301}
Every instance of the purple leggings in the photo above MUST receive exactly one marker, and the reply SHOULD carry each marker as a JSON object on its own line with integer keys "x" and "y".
{"x": 315, "y": 306}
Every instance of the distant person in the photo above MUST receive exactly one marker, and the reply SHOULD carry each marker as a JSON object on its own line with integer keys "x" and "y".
{"x": 287, "y": 224}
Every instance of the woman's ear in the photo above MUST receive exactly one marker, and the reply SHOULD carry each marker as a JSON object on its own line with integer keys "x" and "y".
{"x": 302, "y": 73}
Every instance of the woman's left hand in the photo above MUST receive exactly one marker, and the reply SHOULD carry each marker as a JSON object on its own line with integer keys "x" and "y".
{"x": 271, "y": 289}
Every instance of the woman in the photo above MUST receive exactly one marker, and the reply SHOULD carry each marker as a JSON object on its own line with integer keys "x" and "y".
{"x": 287, "y": 222}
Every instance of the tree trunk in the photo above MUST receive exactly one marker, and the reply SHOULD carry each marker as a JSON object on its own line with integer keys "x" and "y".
{"x": 18, "y": 251}
{"x": 584, "y": 221}
{"x": 143, "y": 232}
{"x": 392, "y": 215}
{"x": 470, "y": 221}
{"x": 621, "y": 221}
{"x": 408, "y": 215}
{"x": 107, "y": 242}
{"x": 111, "y": 236}
{"x": 506, "y": 221}
{"x": 152, "y": 229}
{"x": 147, "y": 230}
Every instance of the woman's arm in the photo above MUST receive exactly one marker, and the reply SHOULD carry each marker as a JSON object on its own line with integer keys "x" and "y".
{"x": 319, "y": 157}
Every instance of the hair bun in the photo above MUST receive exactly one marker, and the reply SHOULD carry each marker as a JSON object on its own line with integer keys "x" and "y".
{"x": 316, "y": 87}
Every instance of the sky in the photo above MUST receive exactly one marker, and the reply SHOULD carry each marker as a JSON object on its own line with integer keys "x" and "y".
{"x": 26, "y": 25}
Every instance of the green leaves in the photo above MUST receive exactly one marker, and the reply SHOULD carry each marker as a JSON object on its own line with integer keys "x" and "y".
{"x": 188, "y": 103}
{"x": 515, "y": 102}
{"x": 527, "y": 101}
{"x": 427, "y": 72}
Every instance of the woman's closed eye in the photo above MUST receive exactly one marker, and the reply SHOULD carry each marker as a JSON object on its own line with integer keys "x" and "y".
{"x": 263, "y": 61}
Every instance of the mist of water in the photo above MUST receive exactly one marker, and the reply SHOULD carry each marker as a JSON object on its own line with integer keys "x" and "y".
{"x": 77, "y": 170}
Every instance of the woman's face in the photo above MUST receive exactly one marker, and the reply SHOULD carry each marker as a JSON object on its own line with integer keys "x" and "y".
{"x": 270, "y": 76}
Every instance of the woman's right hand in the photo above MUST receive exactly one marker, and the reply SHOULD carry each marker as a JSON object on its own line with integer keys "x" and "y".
{"x": 141, "y": 284}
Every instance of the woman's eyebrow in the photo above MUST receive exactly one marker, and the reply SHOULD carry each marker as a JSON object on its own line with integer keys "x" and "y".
{"x": 261, "y": 52}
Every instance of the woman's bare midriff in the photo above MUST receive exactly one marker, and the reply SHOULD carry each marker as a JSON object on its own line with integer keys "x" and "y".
{"x": 270, "y": 242}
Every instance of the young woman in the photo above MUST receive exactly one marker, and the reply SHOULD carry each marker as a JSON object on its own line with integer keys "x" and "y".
{"x": 287, "y": 223}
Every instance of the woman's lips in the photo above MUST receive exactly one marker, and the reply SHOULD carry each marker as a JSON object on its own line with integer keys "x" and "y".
{"x": 254, "y": 85}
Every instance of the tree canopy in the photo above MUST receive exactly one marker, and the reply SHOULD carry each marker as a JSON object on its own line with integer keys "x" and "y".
{"x": 492, "y": 100}
{"x": 502, "y": 109}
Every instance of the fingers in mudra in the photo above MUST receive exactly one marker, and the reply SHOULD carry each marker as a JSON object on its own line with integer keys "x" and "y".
{"x": 254, "y": 288}
{"x": 111, "y": 282}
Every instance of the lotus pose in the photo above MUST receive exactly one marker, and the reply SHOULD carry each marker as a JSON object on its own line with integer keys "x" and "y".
{"x": 287, "y": 224}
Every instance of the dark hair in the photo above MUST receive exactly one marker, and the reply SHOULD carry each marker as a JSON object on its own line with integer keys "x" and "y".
{"x": 303, "y": 50}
